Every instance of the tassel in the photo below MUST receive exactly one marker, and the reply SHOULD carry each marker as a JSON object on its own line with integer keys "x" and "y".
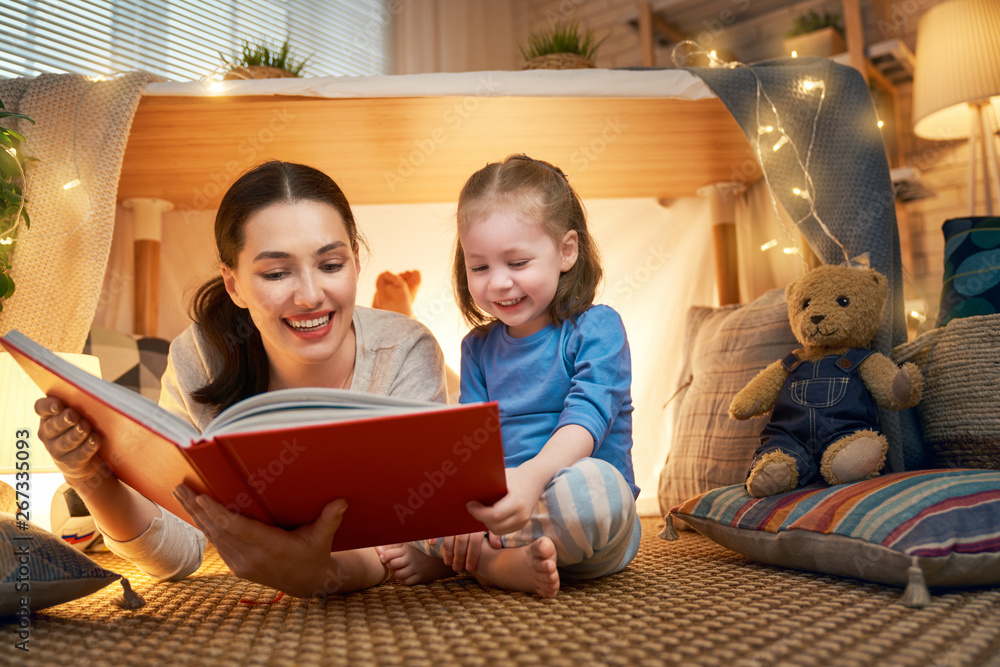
{"x": 130, "y": 599}
{"x": 668, "y": 532}
{"x": 916, "y": 594}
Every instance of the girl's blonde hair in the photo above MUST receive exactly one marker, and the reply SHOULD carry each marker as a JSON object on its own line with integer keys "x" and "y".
{"x": 538, "y": 191}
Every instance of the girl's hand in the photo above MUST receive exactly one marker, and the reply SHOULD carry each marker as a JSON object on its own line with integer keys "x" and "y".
{"x": 461, "y": 552}
{"x": 512, "y": 512}
{"x": 70, "y": 440}
{"x": 295, "y": 561}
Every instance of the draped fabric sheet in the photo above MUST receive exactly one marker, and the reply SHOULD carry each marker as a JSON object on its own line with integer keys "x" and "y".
{"x": 827, "y": 112}
{"x": 80, "y": 131}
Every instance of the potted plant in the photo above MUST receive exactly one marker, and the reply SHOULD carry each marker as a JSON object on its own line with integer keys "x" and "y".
{"x": 561, "y": 47}
{"x": 815, "y": 34}
{"x": 262, "y": 60}
{"x": 12, "y": 210}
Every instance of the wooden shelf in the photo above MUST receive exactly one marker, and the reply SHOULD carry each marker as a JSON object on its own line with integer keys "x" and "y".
{"x": 188, "y": 150}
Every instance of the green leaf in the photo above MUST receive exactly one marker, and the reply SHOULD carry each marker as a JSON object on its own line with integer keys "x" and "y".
{"x": 16, "y": 135}
{"x": 8, "y": 165}
{"x": 5, "y": 140}
{"x": 4, "y": 282}
{"x": 27, "y": 221}
{"x": 11, "y": 114}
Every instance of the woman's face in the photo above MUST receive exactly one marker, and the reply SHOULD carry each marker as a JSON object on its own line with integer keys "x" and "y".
{"x": 298, "y": 277}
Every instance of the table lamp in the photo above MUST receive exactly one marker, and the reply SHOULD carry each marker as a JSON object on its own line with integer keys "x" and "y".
{"x": 956, "y": 84}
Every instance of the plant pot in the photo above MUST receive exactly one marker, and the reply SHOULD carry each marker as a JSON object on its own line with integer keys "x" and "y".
{"x": 824, "y": 42}
{"x": 258, "y": 72}
{"x": 558, "y": 61}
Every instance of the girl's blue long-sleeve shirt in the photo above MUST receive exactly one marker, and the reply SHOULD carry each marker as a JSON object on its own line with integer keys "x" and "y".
{"x": 575, "y": 373}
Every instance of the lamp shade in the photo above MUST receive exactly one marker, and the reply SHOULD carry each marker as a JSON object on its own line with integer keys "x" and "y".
{"x": 17, "y": 414}
{"x": 958, "y": 62}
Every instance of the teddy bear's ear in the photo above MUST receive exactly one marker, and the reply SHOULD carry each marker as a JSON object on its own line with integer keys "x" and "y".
{"x": 790, "y": 289}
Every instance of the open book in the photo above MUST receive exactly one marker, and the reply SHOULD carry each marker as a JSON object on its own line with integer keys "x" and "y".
{"x": 406, "y": 468}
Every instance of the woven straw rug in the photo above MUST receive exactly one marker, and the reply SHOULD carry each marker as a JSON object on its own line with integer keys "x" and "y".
{"x": 688, "y": 602}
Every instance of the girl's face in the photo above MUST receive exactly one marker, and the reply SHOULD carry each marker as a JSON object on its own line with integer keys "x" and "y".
{"x": 298, "y": 277}
{"x": 513, "y": 268}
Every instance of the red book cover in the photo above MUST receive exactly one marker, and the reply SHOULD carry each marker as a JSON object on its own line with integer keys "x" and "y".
{"x": 405, "y": 476}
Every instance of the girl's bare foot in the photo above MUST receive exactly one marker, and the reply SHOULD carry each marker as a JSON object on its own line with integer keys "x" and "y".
{"x": 411, "y": 565}
{"x": 531, "y": 568}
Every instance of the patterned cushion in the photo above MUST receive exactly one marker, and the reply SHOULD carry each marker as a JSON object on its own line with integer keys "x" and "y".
{"x": 945, "y": 522}
{"x": 971, "y": 268}
{"x": 54, "y": 571}
{"x": 136, "y": 363}
{"x": 724, "y": 349}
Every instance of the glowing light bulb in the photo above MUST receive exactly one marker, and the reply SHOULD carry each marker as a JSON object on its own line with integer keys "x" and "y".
{"x": 918, "y": 316}
{"x": 216, "y": 86}
{"x": 795, "y": 54}
{"x": 781, "y": 142}
{"x": 72, "y": 184}
{"x": 880, "y": 123}
{"x": 801, "y": 193}
{"x": 790, "y": 251}
{"x": 770, "y": 244}
{"x": 764, "y": 129}
{"x": 6, "y": 241}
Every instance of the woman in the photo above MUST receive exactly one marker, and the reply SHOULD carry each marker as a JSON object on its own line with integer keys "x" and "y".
{"x": 281, "y": 314}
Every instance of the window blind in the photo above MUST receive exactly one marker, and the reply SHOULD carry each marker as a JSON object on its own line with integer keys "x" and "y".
{"x": 181, "y": 40}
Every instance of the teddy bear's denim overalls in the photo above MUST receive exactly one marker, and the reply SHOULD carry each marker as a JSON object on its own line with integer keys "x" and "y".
{"x": 819, "y": 403}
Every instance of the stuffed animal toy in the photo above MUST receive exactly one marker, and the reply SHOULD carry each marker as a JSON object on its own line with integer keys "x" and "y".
{"x": 825, "y": 420}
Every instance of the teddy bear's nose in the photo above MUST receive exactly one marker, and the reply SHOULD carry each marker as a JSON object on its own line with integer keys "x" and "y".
{"x": 816, "y": 319}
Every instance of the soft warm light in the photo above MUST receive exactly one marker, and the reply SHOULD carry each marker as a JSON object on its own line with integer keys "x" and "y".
{"x": 216, "y": 86}
{"x": 808, "y": 85}
{"x": 764, "y": 129}
{"x": 72, "y": 184}
{"x": 958, "y": 62}
{"x": 12, "y": 151}
{"x": 770, "y": 244}
{"x": 17, "y": 413}
{"x": 801, "y": 193}
{"x": 6, "y": 241}
{"x": 795, "y": 54}
{"x": 790, "y": 251}
{"x": 781, "y": 142}
{"x": 918, "y": 316}
{"x": 880, "y": 123}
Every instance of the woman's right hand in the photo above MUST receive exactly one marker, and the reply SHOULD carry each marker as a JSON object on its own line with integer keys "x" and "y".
{"x": 70, "y": 440}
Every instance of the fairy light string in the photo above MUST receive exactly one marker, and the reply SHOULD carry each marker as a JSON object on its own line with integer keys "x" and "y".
{"x": 684, "y": 50}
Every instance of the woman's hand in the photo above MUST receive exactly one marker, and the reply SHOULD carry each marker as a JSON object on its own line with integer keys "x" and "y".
{"x": 70, "y": 440}
{"x": 297, "y": 562}
{"x": 461, "y": 552}
{"x": 512, "y": 512}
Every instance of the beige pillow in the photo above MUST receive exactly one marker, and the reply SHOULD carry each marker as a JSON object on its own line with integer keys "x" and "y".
{"x": 724, "y": 348}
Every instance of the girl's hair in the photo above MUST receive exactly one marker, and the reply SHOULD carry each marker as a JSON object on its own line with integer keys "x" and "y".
{"x": 230, "y": 332}
{"x": 538, "y": 191}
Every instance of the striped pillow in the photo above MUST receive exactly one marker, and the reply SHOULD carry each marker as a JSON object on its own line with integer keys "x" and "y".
{"x": 724, "y": 348}
{"x": 944, "y": 522}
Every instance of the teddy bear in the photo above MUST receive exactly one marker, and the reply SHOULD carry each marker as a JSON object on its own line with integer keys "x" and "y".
{"x": 825, "y": 396}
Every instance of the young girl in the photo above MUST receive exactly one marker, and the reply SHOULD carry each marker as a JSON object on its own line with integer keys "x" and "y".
{"x": 526, "y": 272}
{"x": 280, "y": 313}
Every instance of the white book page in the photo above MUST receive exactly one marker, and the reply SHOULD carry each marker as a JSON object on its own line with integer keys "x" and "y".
{"x": 315, "y": 405}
